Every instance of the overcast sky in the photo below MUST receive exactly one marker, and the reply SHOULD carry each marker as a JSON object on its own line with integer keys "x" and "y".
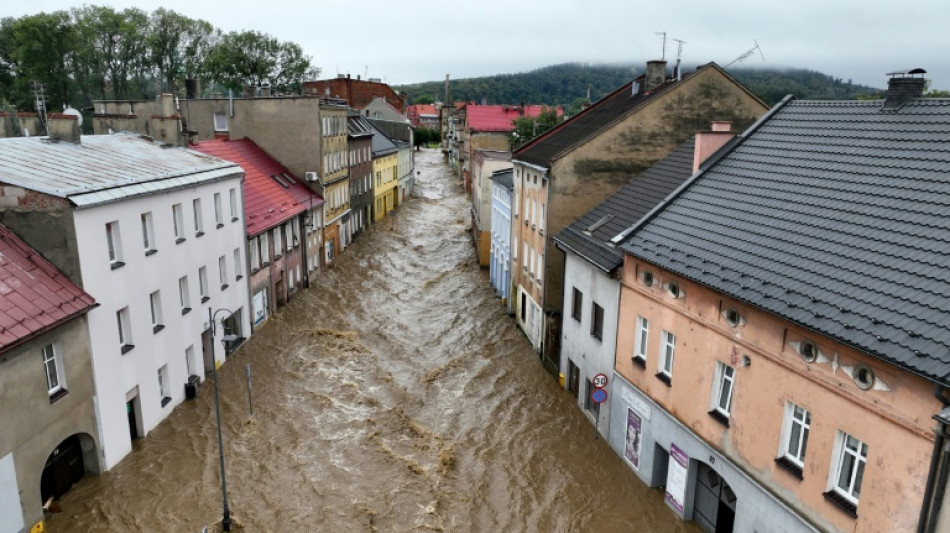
{"x": 408, "y": 41}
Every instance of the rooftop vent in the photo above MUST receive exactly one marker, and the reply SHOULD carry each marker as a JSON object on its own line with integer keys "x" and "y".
{"x": 903, "y": 86}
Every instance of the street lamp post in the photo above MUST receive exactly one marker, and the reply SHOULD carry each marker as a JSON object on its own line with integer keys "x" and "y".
{"x": 226, "y": 520}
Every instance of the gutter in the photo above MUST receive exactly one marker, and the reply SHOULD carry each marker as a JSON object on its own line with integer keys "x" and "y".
{"x": 939, "y": 460}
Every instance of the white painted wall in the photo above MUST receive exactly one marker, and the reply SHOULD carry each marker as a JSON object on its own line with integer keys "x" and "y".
{"x": 115, "y": 373}
{"x": 590, "y": 355}
{"x": 11, "y": 515}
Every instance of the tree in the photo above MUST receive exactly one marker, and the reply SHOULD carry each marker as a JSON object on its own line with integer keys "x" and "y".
{"x": 43, "y": 49}
{"x": 178, "y": 46}
{"x": 527, "y": 128}
{"x": 252, "y": 58}
{"x": 423, "y": 99}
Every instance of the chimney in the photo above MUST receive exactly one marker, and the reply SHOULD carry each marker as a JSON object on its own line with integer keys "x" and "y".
{"x": 191, "y": 88}
{"x": 265, "y": 90}
{"x": 655, "y": 75}
{"x": 902, "y": 87}
{"x": 707, "y": 142}
{"x": 168, "y": 104}
{"x": 63, "y": 126}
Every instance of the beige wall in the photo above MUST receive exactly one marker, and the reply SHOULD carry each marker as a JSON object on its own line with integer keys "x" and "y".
{"x": 893, "y": 418}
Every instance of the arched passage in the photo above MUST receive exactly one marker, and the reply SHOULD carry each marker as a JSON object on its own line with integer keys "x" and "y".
{"x": 72, "y": 459}
{"x": 714, "y": 506}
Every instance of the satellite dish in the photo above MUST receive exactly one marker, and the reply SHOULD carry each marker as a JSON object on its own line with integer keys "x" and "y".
{"x": 72, "y": 112}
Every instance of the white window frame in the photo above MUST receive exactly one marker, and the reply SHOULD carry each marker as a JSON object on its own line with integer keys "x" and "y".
{"x": 265, "y": 250}
{"x": 642, "y": 338}
{"x": 220, "y": 122}
{"x": 842, "y": 452}
{"x": 667, "y": 352}
{"x": 234, "y": 204}
{"x": 163, "y": 389}
{"x": 148, "y": 233}
{"x": 218, "y": 211}
{"x": 278, "y": 247}
{"x": 53, "y": 365}
{"x": 114, "y": 242}
{"x": 596, "y": 324}
{"x": 237, "y": 264}
{"x": 288, "y": 236}
{"x": 178, "y": 221}
{"x": 796, "y": 417}
{"x": 155, "y": 306}
{"x": 199, "y": 219}
{"x": 184, "y": 296}
{"x": 223, "y": 272}
{"x": 725, "y": 385}
{"x": 203, "y": 283}
{"x": 124, "y": 324}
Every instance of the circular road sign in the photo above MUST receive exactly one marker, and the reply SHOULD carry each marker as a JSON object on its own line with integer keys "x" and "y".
{"x": 600, "y": 381}
{"x": 599, "y": 396}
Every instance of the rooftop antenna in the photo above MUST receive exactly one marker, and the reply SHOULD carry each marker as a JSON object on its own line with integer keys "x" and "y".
{"x": 663, "y": 40}
{"x": 679, "y": 56}
{"x": 748, "y": 53}
{"x": 39, "y": 96}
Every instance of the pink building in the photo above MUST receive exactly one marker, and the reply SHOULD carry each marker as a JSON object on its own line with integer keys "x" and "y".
{"x": 782, "y": 342}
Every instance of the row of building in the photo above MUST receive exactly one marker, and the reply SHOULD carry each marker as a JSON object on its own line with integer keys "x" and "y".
{"x": 757, "y": 322}
{"x": 134, "y": 261}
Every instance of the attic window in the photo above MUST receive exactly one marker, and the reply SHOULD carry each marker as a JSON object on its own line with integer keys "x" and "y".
{"x": 599, "y": 224}
{"x": 808, "y": 351}
{"x": 647, "y": 278}
{"x": 280, "y": 181}
{"x": 863, "y": 376}
{"x": 733, "y": 318}
{"x": 675, "y": 290}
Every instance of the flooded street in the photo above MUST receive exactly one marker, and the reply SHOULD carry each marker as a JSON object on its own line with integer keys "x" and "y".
{"x": 393, "y": 395}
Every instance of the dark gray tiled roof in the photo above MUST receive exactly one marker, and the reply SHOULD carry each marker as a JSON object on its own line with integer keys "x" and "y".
{"x": 833, "y": 215}
{"x": 382, "y": 145}
{"x": 505, "y": 178}
{"x": 624, "y": 208}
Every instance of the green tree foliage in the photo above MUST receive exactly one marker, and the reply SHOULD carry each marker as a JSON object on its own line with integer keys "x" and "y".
{"x": 177, "y": 45}
{"x": 527, "y": 128}
{"x": 252, "y": 58}
{"x": 423, "y": 136}
{"x": 423, "y": 99}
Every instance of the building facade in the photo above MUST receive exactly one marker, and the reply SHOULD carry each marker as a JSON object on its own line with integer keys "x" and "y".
{"x": 360, "y": 146}
{"x": 484, "y": 164}
{"x": 335, "y": 181}
{"x": 499, "y": 271}
{"x": 357, "y": 92}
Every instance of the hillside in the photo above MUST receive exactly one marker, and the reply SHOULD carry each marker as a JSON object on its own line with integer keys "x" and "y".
{"x": 567, "y": 84}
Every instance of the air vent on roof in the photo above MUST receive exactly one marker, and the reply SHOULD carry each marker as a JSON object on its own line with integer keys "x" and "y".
{"x": 599, "y": 224}
{"x": 281, "y": 181}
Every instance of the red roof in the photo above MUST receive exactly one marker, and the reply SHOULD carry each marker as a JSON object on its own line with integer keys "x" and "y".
{"x": 413, "y": 112}
{"x": 34, "y": 295}
{"x": 267, "y": 203}
{"x": 500, "y": 117}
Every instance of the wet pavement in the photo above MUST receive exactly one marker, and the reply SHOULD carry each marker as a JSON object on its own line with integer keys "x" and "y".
{"x": 393, "y": 395}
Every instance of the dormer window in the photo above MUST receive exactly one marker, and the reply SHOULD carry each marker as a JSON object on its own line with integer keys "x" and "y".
{"x": 732, "y": 317}
{"x": 647, "y": 278}
{"x": 863, "y": 376}
{"x": 808, "y": 351}
{"x": 675, "y": 290}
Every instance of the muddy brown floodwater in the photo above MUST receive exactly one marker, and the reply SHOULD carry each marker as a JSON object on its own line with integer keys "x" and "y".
{"x": 393, "y": 395}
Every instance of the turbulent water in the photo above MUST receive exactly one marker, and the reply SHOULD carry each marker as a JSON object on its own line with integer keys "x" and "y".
{"x": 393, "y": 395}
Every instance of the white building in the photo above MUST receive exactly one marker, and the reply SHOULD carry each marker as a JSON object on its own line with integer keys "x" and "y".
{"x": 156, "y": 235}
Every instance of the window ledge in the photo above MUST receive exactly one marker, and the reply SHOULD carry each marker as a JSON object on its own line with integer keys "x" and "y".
{"x": 117, "y": 264}
{"x": 789, "y": 467}
{"x": 842, "y": 503}
{"x": 220, "y": 225}
{"x": 718, "y": 416}
{"x": 56, "y": 396}
{"x": 639, "y": 361}
{"x": 199, "y": 234}
{"x": 185, "y": 310}
{"x": 180, "y": 240}
{"x": 665, "y": 378}
{"x": 577, "y": 318}
{"x": 126, "y": 348}
{"x": 277, "y": 256}
{"x": 157, "y": 327}
{"x": 205, "y": 299}
{"x": 234, "y": 219}
{"x": 165, "y": 401}
{"x": 265, "y": 263}
{"x": 238, "y": 277}
{"x": 225, "y": 286}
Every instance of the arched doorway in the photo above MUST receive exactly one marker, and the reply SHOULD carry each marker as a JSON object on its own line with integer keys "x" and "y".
{"x": 714, "y": 505}
{"x": 67, "y": 464}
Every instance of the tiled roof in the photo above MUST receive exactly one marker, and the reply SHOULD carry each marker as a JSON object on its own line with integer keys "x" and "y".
{"x": 267, "y": 203}
{"x": 505, "y": 178}
{"x": 34, "y": 295}
{"x": 357, "y": 126}
{"x": 832, "y": 215}
{"x": 382, "y": 145}
{"x": 104, "y": 168}
{"x": 500, "y": 117}
{"x": 589, "y": 236}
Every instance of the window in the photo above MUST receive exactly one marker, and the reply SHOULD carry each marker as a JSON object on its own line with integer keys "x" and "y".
{"x": 115, "y": 244}
{"x": 295, "y": 234}
{"x": 640, "y": 348}
{"x": 288, "y": 237}
{"x": 863, "y": 376}
{"x": 577, "y": 306}
{"x": 237, "y": 264}
{"x": 163, "y": 385}
{"x": 155, "y": 304}
{"x": 223, "y": 272}
{"x": 183, "y": 295}
{"x": 589, "y": 402}
{"x": 847, "y": 472}
{"x": 597, "y": 321}
{"x": 667, "y": 346}
{"x": 220, "y": 122}
{"x": 148, "y": 234}
{"x": 53, "y": 363}
{"x": 203, "y": 284}
{"x": 234, "y": 205}
{"x": 178, "y": 218}
{"x": 278, "y": 249}
{"x": 199, "y": 222}
{"x": 265, "y": 249}
{"x": 647, "y": 278}
{"x": 808, "y": 350}
{"x": 722, "y": 392}
{"x": 218, "y": 213}
{"x": 795, "y": 427}
{"x": 125, "y": 329}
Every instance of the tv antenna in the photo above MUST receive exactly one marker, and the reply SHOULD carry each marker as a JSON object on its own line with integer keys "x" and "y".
{"x": 748, "y": 53}
{"x": 663, "y": 40}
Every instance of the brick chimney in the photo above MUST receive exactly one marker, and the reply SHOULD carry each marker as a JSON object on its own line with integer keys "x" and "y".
{"x": 168, "y": 104}
{"x": 655, "y": 75}
{"x": 902, "y": 87}
{"x": 707, "y": 142}
{"x": 63, "y": 126}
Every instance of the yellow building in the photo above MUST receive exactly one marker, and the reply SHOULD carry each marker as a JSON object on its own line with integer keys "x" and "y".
{"x": 334, "y": 177}
{"x": 385, "y": 175}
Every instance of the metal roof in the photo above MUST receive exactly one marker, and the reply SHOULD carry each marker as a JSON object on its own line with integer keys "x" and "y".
{"x": 105, "y": 168}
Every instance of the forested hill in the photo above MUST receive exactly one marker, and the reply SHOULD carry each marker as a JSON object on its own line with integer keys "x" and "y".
{"x": 567, "y": 84}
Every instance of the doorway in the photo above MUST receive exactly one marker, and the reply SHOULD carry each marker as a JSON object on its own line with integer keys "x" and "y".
{"x": 714, "y": 505}
{"x": 63, "y": 468}
{"x": 573, "y": 378}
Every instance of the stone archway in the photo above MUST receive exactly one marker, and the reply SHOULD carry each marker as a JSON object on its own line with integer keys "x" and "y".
{"x": 72, "y": 459}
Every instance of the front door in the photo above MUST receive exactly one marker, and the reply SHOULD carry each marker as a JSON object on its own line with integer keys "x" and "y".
{"x": 133, "y": 424}
{"x": 714, "y": 506}
{"x": 573, "y": 378}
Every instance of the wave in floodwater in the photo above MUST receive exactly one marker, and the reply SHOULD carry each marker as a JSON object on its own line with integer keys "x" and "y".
{"x": 393, "y": 395}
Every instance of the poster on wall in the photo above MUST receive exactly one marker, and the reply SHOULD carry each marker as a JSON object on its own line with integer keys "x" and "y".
{"x": 676, "y": 478}
{"x": 260, "y": 307}
{"x": 631, "y": 448}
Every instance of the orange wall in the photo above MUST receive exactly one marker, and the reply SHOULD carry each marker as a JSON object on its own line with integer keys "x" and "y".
{"x": 895, "y": 424}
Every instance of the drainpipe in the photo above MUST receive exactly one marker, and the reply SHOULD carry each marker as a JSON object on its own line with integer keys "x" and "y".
{"x": 929, "y": 512}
